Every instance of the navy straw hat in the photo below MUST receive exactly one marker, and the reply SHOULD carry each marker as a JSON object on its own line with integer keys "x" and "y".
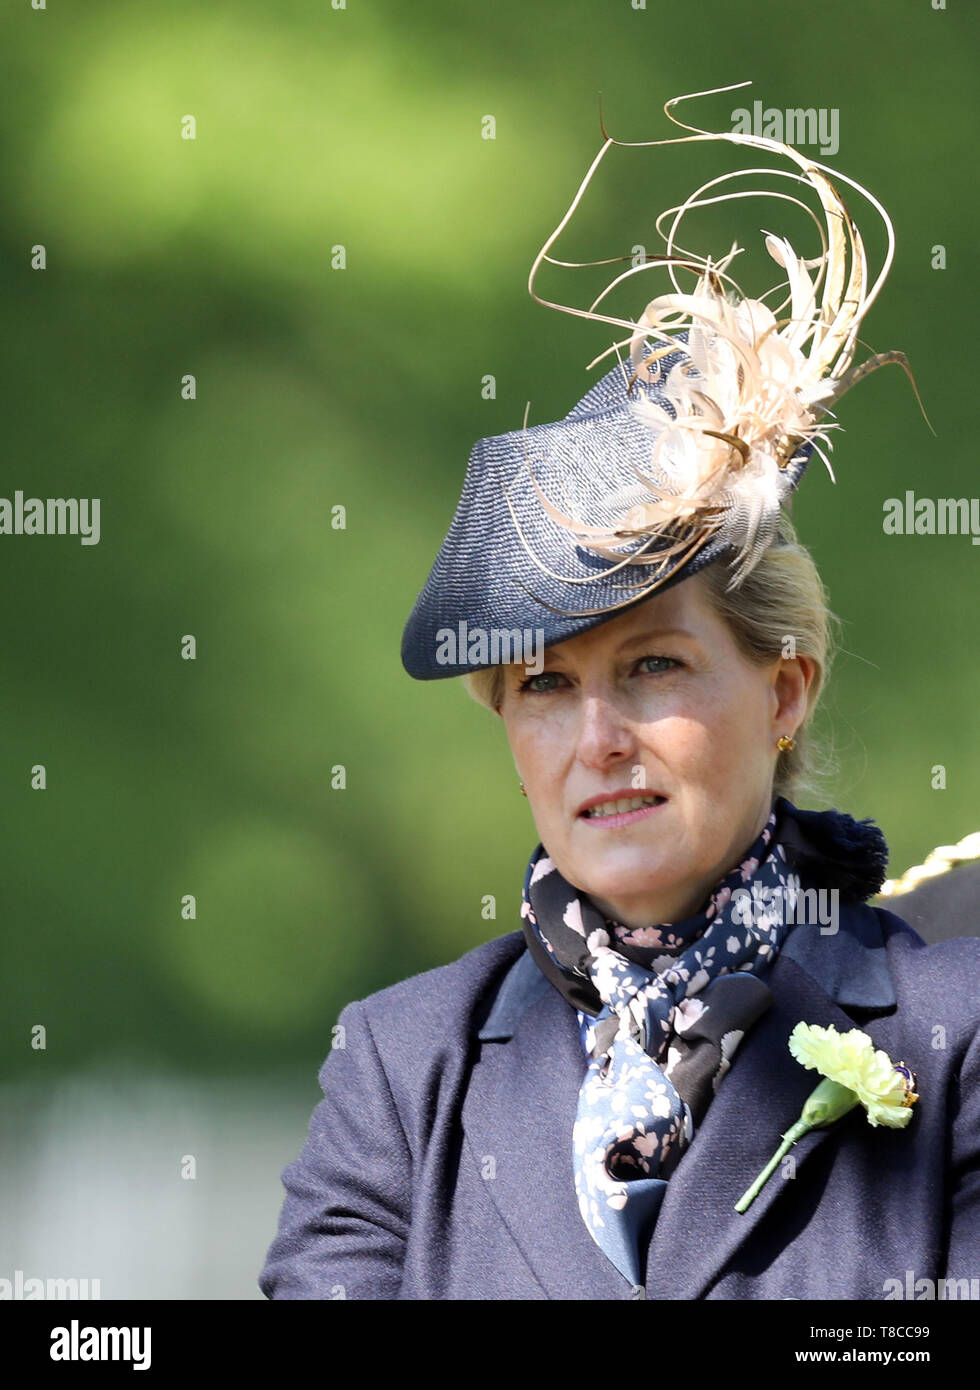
{"x": 687, "y": 452}
{"x": 484, "y": 581}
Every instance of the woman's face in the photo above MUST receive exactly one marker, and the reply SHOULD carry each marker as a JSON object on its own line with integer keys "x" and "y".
{"x": 657, "y": 701}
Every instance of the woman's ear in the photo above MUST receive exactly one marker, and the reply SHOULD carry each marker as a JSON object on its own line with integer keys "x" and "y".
{"x": 791, "y": 684}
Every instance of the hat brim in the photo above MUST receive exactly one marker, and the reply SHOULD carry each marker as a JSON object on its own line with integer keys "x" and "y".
{"x": 506, "y": 582}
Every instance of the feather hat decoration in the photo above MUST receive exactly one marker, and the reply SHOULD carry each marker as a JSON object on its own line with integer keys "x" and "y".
{"x": 753, "y": 387}
{"x": 685, "y": 453}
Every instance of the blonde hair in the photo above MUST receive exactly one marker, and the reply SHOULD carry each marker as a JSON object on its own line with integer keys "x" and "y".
{"x": 782, "y": 598}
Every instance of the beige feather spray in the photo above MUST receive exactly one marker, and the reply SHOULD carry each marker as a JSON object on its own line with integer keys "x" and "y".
{"x": 754, "y": 384}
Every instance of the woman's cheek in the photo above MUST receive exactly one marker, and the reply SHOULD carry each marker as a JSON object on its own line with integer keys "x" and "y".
{"x": 691, "y": 748}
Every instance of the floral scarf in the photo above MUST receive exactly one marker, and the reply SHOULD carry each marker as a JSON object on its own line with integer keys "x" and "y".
{"x": 671, "y": 1005}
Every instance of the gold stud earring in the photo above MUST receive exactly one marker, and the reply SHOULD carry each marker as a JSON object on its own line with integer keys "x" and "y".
{"x": 523, "y": 792}
{"x": 786, "y": 744}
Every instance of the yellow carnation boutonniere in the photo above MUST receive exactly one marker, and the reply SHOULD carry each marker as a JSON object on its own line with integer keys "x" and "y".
{"x": 855, "y": 1073}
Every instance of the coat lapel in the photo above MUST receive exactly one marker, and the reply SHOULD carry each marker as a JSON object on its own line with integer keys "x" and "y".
{"x": 698, "y": 1230}
{"x": 519, "y": 1111}
{"x": 523, "y": 1097}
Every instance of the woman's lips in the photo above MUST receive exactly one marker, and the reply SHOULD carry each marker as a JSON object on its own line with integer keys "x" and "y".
{"x": 609, "y": 819}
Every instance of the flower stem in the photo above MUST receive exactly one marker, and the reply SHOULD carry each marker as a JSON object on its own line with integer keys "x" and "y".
{"x": 795, "y": 1132}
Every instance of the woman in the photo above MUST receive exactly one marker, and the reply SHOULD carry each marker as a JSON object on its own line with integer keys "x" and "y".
{"x": 586, "y": 1107}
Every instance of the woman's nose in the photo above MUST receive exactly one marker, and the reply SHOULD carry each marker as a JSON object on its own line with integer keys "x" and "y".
{"x": 604, "y": 731}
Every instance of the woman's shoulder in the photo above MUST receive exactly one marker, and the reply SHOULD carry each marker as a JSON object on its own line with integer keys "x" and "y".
{"x": 898, "y": 933}
{"x": 450, "y": 995}
{"x": 941, "y": 904}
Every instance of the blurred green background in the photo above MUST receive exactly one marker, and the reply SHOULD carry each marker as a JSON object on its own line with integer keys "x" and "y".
{"x": 361, "y": 127}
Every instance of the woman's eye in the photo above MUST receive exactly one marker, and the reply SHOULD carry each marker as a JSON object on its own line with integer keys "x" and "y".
{"x": 668, "y": 662}
{"x": 541, "y": 676}
{"x": 665, "y": 664}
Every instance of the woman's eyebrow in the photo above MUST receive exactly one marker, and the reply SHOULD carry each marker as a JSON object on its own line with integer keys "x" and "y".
{"x": 638, "y": 638}
{"x": 649, "y": 632}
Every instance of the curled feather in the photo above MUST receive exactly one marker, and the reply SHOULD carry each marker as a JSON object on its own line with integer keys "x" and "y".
{"x": 753, "y": 384}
